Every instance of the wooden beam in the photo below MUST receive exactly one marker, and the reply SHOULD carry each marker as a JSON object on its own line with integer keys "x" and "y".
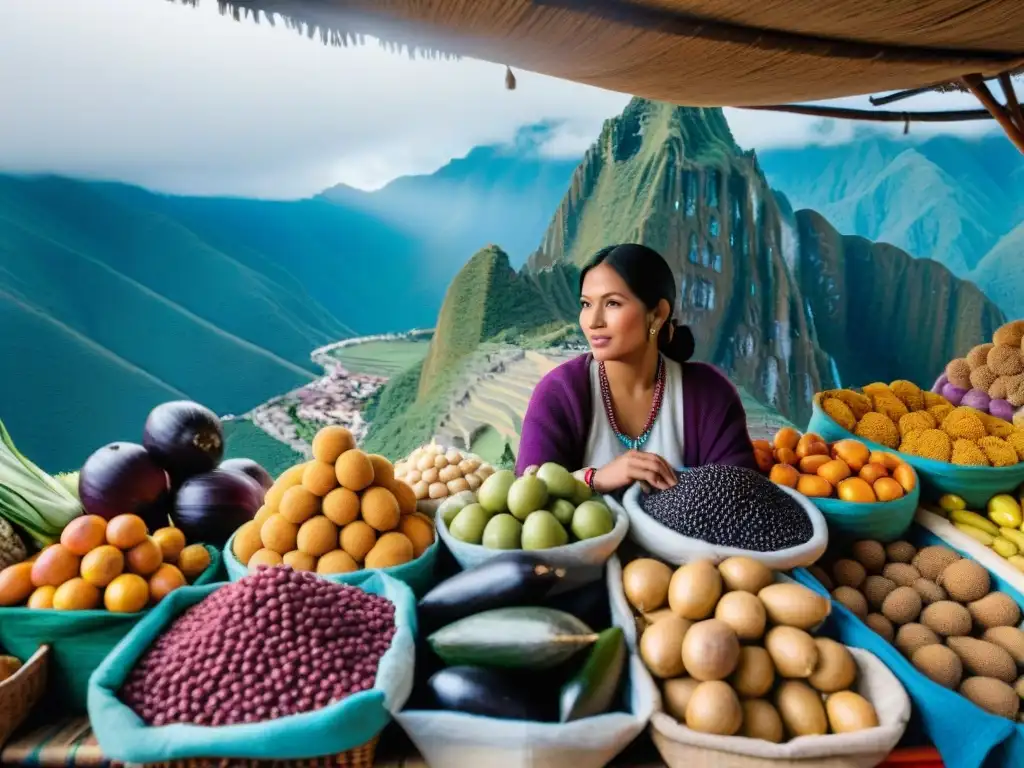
{"x": 878, "y": 116}
{"x": 1012, "y": 105}
{"x": 976, "y": 85}
{"x": 878, "y": 101}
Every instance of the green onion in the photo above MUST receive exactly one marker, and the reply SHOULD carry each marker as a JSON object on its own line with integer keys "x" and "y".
{"x": 30, "y": 499}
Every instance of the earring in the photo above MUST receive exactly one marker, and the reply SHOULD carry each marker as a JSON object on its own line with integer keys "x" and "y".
{"x": 653, "y": 331}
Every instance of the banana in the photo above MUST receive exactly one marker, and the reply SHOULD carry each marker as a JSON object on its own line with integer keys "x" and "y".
{"x": 974, "y": 520}
{"x": 952, "y": 503}
{"x": 1017, "y": 537}
{"x": 1004, "y": 547}
{"x": 976, "y": 533}
{"x": 1017, "y": 562}
{"x": 1004, "y": 511}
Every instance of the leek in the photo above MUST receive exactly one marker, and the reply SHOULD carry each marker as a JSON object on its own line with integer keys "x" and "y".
{"x": 30, "y": 499}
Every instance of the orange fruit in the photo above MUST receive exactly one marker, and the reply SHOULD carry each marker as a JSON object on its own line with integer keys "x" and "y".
{"x": 857, "y": 490}
{"x": 55, "y": 565}
{"x": 762, "y": 445}
{"x": 887, "y": 460}
{"x": 125, "y": 531}
{"x": 853, "y": 452}
{"x": 102, "y": 565}
{"x": 144, "y": 558}
{"x": 810, "y": 464}
{"x": 784, "y": 474}
{"x": 787, "y": 437}
{"x": 76, "y": 595}
{"x": 193, "y": 560}
{"x": 887, "y": 489}
{"x": 903, "y": 474}
{"x": 786, "y": 456}
{"x": 814, "y": 486}
{"x": 42, "y": 598}
{"x": 128, "y": 593}
{"x": 171, "y": 542}
{"x": 84, "y": 534}
{"x": 835, "y": 471}
{"x": 166, "y": 579}
{"x": 872, "y": 472}
{"x": 765, "y": 460}
{"x": 15, "y": 584}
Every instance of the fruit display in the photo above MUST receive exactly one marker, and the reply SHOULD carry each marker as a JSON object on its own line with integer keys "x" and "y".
{"x": 327, "y": 641}
{"x": 847, "y": 469}
{"x": 730, "y": 506}
{"x": 990, "y": 377}
{"x": 339, "y": 513}
{"x": 734, "y": 651}
{"x": 32, "y": 502}
{"x": 175, "y": 472}
{"x": 511, "y": 649}
{"x": 113, "y": 564}
{"x": 1000, "y": 527}
{"x": 902, "y": 417}
{"x": 940, "y": 611}
{"x": 435, "y": 472}
{"x": 546, "y": 507}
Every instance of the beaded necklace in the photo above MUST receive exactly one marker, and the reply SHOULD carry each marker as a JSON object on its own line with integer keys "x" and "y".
{"x": 633, "y": 444}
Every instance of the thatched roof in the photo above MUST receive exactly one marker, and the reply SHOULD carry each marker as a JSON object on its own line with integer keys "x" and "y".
{"x": 694, "y": 52}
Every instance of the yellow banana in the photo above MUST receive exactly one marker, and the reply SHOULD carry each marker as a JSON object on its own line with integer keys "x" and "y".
{"x": 974, "y": 520}
{"x": 1017, "y": 562}
{"x": 1004, "y": 547}
{"x": 976, "y": 533}
{"x": 952, "y": 503}
{"x": 1017, "y": 537}
{"x": 1004, "y": 511}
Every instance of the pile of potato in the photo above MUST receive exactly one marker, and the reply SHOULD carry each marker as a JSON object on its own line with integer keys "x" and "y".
{"x": 940, "y": 611}
{"x": 435, "y": 472}
{"x": 734, "y": 653}
{"x": 338, "y": 513}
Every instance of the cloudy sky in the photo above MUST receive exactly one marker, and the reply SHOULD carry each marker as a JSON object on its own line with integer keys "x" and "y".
{"x": 186, "y": 101}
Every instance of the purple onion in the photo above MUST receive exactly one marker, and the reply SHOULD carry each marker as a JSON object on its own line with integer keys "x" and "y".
{"x": 976, "y": 398}
{"x": 940, "y": 382}
{"x": 953, "y": 393}
{"x": 185, "y": 438}
{"x": 251, "y": 469}
{"x": 1001, "y": 409}
{"x": 122, "y": 478}
{"x": 210, "y": 507}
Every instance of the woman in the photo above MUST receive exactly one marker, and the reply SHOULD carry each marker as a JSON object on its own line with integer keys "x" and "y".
{"x": 633, "y": 409}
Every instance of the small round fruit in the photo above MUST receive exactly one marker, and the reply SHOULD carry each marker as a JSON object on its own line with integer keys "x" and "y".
{"x": 171, "y": 541}
{"x": 904, "y": 475}
{"x": 809, "y": 465}
{"x": 125, "y": 531}
{"x": 193, "y": 560}
{"x": 872, "y": 472}
{"x": 299, "y": 561}
{"x": 144, "y": 558}
{"x": 166, "y": 579}
{"x": 814, "y": 486}
{"x": 42, "y": 598}
{"x": 888, "y": 489}
{"x": 856, "y": 490}
{"x": 128, "y": 593}
{"x": 266, "y": 557}
{"x": 246, "y": 542}
{"x": 76, "y": 595}
{"x": 54, "y": 565}
{"x": 337, "y": 561}
{"x": 836, "y": 471}
{"x": 853, "y": 452}
{"x": 84, "y": 534}
{"x": 786, "y": 437}
{"x": 784, "y": 474}
{"x": 102, "y": 565}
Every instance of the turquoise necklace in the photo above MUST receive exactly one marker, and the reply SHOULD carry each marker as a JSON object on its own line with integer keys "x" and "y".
{"x": 633, "y": 443}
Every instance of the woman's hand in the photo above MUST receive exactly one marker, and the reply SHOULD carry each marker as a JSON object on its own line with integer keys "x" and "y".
{"x": 634, "y": 466}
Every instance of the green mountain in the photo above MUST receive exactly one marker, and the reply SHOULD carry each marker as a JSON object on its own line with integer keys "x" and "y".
{"x": 946, "y": 198}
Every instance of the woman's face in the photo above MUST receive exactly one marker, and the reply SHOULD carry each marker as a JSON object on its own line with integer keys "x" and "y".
{"x": 615, "y": 322}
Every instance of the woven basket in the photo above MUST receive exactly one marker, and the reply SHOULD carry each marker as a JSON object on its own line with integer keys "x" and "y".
{"x": 20, "y": 692}
{"x": 360, "y": 757}
{"x": 678, "y": 755}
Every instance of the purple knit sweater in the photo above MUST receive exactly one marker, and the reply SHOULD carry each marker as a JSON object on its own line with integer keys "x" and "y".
{"x": 557, "y": 420}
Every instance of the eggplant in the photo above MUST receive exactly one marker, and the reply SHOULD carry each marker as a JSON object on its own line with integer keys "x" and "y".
{"x": 489, "y": 693}
{"x": 526, "y": 637}
{"x": 592, "y": 689}
{"x": 518, "y": 578}
{"x": 185, "y": 438}
{"x": 589, "y": 604}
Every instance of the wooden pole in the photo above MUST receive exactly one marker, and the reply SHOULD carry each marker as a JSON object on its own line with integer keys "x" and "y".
{"x": 878, "y": 115}
{"x": 976, "y": 85}
{"x": 1012, "y": 105}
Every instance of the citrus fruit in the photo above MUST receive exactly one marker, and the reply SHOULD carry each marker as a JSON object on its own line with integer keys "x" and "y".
{"x": 128, "y": 593}
{"x": 76, "y": 595}
{"x": 102, "y": 565}
{"x": 55, "y": 565}
{"x": 84, "y": 534}
{"x": 171, "y": 541}
{"x": 125, "y": 531}
{"x": 42, "y": 597}
{"x": 166, "y": 579}
{"x": 145, "y": 557}
{"x": 193, "y": 560}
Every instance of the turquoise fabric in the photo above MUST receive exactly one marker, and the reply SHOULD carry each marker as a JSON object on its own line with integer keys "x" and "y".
{"x": 965, "y": 735}
{"x": 336, "y": 728}
{"x": 882, "y": 521}
{"x": 418, "y": 574}
{"x": 79, "y": 641}
{"x": 975, "y": 485}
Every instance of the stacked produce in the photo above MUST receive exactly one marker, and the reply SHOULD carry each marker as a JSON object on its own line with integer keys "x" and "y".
{"x": 436, "y": 472}
{"x": 940, "y": 611}
{"x": 1001, "y": 529}
{"x": 174, "y": 473}
{"x": 730, "y": 506}
{"x": 212, "y": 665}
{"x": 735, "y": 654}
{"x": 546, "y": 507}
{"x": 990, "y": 377}
{"x": 846, "y": 470}
{"x": 925, "y": 424}
{"x": 115, "y": 564}
{"x": 32, "y": 502}
{"x": 340, "y": 512}
{"x": 509, "y": 653}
